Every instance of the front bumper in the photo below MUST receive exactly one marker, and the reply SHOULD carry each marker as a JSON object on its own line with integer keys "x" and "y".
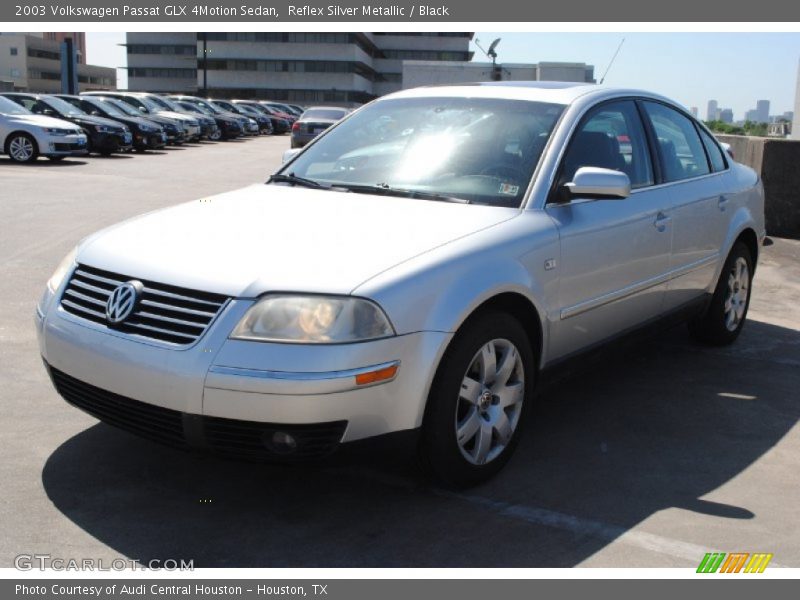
{"x": 265, "y": 385}
{"x": 67, "y": 145}
{"x": 112, "y": 142}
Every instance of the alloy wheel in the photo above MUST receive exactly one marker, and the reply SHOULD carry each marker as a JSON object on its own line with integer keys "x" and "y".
{"x": 490, "y": 401}
{"x": 737, "y": 294}
{"x": 21, "y": 149}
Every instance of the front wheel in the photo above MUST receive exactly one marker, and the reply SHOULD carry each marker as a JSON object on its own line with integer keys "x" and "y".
{"x": 473, "y": 417}
{"x": 22, "y": 148}
{"x": 723, "y": 320}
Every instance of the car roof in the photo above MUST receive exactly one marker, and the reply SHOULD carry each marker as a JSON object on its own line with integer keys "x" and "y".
{"x": 556, "y": 92}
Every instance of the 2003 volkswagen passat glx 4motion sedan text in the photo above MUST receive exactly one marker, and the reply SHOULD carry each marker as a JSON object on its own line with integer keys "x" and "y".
{"x": 415, "y": 268}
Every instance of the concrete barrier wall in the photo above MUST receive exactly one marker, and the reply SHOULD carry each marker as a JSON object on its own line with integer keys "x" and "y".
{"x": 777, "y": 161}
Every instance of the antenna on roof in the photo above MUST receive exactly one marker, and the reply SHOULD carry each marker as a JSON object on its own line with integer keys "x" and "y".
{"x": 613, "y": 58}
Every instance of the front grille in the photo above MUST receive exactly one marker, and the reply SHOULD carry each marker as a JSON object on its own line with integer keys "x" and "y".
{"x": 165, "y": 313}
{"x": 248, "y": 440}
{"x": 153, "y": 422}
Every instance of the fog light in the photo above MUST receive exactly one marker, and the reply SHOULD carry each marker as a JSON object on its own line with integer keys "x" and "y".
{"x": 282, "y": 442}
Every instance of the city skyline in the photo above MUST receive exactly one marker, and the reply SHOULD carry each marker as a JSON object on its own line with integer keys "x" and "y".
{"x": 660, "y": 62}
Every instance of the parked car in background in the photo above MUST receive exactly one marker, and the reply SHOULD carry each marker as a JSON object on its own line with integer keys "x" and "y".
{"x": 228, "y": 126}
{"x": 248, "y": 125}
{"x": 313, "y": 122}
{"x": 279, "y": 125}
{"x": 155, "y": 103}
{"x": 208, "y": 126}
{"x": 264, "y": 122}
{"x": 146, "y": 134}
{"x": 414, "y": 270}
{"x": 25, "y": 136}
{"x": 174, "y": 126}
{"x": 284, "y": 108}
{"x": 104, "y": 136}
{"x": 279, "y": 111}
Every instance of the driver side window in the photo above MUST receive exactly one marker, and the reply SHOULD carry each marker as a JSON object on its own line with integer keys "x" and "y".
{"x": 610, "y": 137}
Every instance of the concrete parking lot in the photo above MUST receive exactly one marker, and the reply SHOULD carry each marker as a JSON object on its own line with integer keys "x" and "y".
{"x": 648, "y": 455}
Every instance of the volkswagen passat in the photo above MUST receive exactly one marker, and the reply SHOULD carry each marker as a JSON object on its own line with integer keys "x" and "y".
{"x": 414, "y": 269}
{"x": 25, "y": 136}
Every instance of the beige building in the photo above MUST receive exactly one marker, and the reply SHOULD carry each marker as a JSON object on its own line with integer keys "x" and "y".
{"x": 33, "y": 64}
{"x": 418, "y": 73}
{"x": 301, "y": 67}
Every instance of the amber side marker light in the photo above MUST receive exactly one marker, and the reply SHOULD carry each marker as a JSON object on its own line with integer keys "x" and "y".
{"x": 377, "y": 376}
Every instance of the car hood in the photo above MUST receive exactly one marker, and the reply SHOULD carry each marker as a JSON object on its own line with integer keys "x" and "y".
{"x": 39, "y": 121}
{"x": 280, "y": 238}
{"x": 95, "y": 120}
{"x": 176, "y": 116}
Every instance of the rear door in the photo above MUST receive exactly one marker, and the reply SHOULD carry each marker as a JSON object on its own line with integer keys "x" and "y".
{"x": 614, "y": 252}
{"x": 693, "y": 175}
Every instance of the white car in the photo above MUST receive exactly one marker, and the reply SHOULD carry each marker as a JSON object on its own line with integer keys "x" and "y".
{"x": 414, "y": 269}
{"x": 25, "y": 136}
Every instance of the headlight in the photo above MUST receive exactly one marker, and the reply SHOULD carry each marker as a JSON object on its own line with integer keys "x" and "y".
{"x": 61, "y": 270}
{"x": 147, "y": 129}
{"x": 313, "y": 320}
{"x": 57, "y": 131}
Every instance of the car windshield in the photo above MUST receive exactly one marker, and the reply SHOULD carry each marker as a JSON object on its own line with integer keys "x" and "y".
{"x": 173, "y": 106}
{"x": 106, "y": 106}
{"x": 481, "y": 150}
{"x": 191, "y": 107}
{"x": 332, "y": 114}
{"x": 62, "y": 106}
{"x": 151, "y": 106}
{"x": 9, "y": 107}
{"x": 124, "y": 107}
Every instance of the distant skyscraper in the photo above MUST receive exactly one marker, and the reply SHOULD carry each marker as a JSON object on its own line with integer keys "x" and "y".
{"x": 694, "y": 111}
{"x": 762, "y": 111}
{"x": 726, "y": 115}
{"x": 711, "y": 114}
{"x": 751, "y": 115}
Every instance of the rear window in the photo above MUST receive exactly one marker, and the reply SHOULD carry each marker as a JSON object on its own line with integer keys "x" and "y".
{"x": 323, "y": 113}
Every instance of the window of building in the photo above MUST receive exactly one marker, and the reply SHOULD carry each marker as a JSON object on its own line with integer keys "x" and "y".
{"x": 679, "y": 146}
{"x": 13, "y": 51}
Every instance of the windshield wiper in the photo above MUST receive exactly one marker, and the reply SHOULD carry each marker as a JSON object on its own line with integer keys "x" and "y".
{"x": 384, "y": 189}
{"x": 295, "y": 180}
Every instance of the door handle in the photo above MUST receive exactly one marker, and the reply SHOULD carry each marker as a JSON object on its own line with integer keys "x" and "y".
{"x": 723, "y": 202}
{"x": 661, "y": 221}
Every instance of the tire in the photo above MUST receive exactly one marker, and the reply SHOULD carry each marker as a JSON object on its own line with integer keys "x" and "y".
{"x": 467, "y": 396}
{"x": 723, "y": 320}
{"x": 22, "y": 148}
{"x": 216, "y": 136}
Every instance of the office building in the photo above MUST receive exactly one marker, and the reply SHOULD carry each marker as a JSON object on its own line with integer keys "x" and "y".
{"x": 305, "y": 68}
{"x": 762, "y": 111}
{"x": 711, "y": 112}
{"x": 694, "y": 111}
{"x": 725, "y": 115}
{"x": 78, "y": 39}
{"x": 32, "y": 63}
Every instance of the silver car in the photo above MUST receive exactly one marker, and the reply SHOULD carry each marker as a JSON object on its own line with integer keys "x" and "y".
{"x": 415, "y": 269}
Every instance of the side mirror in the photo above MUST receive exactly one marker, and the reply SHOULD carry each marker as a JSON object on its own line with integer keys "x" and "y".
{"x": 290, "y": 154}
{"x": 49, "y": 112}
{"x": 143, "y": 109}
{"x": 599, "y": 183}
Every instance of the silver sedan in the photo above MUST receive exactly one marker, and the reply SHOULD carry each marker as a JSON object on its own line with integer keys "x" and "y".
{"x": 415, "y": 269}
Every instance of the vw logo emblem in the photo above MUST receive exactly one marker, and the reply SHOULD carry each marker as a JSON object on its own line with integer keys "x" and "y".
{"x": 122, "y": 301}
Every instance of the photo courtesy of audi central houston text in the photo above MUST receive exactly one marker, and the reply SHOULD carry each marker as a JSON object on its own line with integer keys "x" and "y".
{"x": 341, "y": 287}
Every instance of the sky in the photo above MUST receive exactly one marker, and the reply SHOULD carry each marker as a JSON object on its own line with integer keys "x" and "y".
{"x": 736, "y": 69}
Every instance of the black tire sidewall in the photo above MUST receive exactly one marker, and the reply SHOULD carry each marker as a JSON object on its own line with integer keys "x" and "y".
{"x": 711, "y": 328}
{"x": 439, "y": 451}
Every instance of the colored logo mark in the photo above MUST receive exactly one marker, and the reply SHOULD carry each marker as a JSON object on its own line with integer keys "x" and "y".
{"x": 735, "y": 562}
